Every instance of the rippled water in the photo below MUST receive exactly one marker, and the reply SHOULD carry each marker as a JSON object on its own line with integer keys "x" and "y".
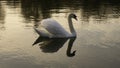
{"x": 98, "y": 34}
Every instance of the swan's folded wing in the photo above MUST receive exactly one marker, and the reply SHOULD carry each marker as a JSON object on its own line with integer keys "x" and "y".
{"x": 54, "y": 27}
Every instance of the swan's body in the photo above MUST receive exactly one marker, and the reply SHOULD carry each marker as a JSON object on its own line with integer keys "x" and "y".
{"x": 53, "y": 29}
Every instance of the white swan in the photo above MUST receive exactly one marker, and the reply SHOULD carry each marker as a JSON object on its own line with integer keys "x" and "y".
{"x": 52, "y": 29}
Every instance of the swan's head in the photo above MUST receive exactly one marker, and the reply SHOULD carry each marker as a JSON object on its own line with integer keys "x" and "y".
{"x": 72, "y": 15}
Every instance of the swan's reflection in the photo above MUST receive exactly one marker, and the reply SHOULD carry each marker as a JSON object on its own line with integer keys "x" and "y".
{"x": 48, "y": 45}
{"x": 69, "y": 54}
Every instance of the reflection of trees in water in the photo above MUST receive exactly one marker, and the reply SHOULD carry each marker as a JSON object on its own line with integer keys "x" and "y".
{"x": 2, "y": 16}
{"x": 13, "y": 3}
{"x": 30, "y": 9}
{"x": 36, "y": 8}
{"x": 98, "y": 9}
{"x": 101, "y": 10}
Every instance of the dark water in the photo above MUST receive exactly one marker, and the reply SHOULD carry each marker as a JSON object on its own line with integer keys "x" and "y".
{"x": 97, "y": 44}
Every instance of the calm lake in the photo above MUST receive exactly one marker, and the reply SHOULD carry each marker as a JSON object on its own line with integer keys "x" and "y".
{"x": 97, "y": 44}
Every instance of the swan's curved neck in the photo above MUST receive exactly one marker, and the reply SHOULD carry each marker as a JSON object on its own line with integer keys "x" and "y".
{"x": 72, "y": 30}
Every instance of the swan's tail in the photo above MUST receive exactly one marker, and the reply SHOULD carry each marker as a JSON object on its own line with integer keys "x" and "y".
{"x": 42, "y": 33}
{"x": 37, "y": 31}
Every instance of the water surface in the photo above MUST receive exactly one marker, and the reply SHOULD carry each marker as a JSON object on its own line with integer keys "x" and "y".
{"x": 97, "y": 44}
